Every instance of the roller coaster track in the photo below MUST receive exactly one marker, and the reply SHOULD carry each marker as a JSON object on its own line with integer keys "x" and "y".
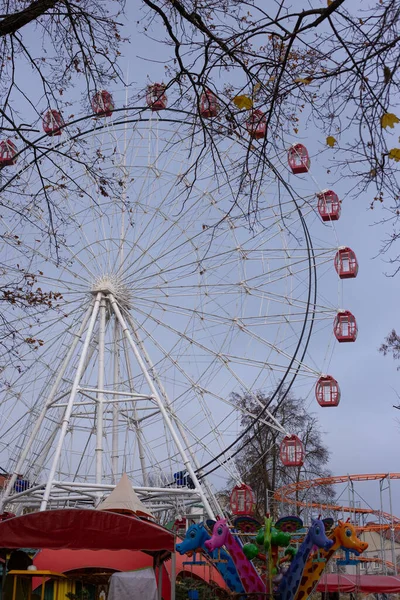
{"x": 288, "y": 493}
{"x": 364, "y": 559}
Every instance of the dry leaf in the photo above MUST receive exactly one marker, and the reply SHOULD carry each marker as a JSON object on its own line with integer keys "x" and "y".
{"x": 331, "y": 141}
{"x": 387, "y": 74}
{"x": 243, "y": 102}
{"x": 389, "y": 120}
{"x": 394, "y": 154}
{"x": 305, "y": 80}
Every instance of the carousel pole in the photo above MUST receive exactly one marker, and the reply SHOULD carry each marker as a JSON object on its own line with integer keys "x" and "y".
{"x": 173, "y": 573}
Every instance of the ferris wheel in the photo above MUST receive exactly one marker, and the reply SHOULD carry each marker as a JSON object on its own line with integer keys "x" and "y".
{"x": 164, "y": 303}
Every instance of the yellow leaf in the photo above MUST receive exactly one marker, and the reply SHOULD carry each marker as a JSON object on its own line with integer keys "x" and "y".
{"x": 305, "y": 80}
{"x": 243, "y": 102}
{"x": 330, "y": 140}
{"x": 329, "y": 2}
{"x": 389, "y": 120}
{"x": 256, "y": 88}
{"x": 394, "y": 153}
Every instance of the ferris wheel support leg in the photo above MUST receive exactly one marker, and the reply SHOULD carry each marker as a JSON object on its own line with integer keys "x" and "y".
{"x": 48, "y": 444}
{"x": 115, "y": 417}
{"x": 100, "y": 394}
{"x": 68, "y": 410}
{"x": 139, "y": 433}
{"x": 161, "y": 406}
{"x": 50, "y": 398}
{"x": 177, "y": 422}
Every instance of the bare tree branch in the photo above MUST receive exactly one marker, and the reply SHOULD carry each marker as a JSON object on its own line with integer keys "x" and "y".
{"x": 11, "y": 23}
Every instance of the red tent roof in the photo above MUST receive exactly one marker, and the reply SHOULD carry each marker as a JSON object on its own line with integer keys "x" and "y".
{"x": 84, "y": 529}
{"x": 366, "y": 584}
{"x": 63, "y": 561}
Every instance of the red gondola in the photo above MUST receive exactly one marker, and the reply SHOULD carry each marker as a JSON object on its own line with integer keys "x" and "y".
{"x": 103, "y": 104}
{"x": 209, "y": 106}
{"x": 179, "y": 526}
{"x": 298, "y": 159}
{"x": 291, "y": 451}
{"x": 345, "y": 326}
{"x": 156, "y": 97}
{"x": 52, "y": 122}
{"x": 346, "y": 263}
{"x": 256, "y": 124}
{"x": 328, "y": 205}
{"x": 8, "y": 151}
{"x": 327, "y": 391}
{"x": 242, "y": 500}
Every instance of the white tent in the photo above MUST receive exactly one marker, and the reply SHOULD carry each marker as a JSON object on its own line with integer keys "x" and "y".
{"x": 123, "y": 499}
{"x": 133, "y": 585}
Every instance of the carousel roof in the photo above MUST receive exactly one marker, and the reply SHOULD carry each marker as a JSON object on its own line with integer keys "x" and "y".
{"x": 124, "y": 499}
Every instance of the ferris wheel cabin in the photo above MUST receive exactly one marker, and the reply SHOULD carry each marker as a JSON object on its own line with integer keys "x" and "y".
{"x": 52, "y": 123}
{"x": 345, "y": 326}
{"x": 156, "y": 97}
{"x": 346, "y": 263}
{"x": 242, "y": 500}
{"x": 103, "y": 104}
{"x": 8, "y": 152}
{"x": 298, "y": 159}
{"x": 328, "y": 205}
{"x": 209, "y": 107}
{"x": 291, "y": 451}
{"x": 256, "y": 125}
{"x": 327, "y": 391}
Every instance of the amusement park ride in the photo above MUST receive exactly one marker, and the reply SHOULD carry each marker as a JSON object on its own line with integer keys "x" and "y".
{"x": 291, "y": 559}
{"x": 164, "y": 307}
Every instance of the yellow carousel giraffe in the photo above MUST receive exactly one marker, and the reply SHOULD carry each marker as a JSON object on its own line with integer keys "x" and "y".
{"x": 343, "y": 536}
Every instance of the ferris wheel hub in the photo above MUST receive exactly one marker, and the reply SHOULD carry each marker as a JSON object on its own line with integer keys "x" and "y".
{"x": 112, "y": 284}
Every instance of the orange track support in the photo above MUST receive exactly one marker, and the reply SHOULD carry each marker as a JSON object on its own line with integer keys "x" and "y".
{"x": 288, "y": 492}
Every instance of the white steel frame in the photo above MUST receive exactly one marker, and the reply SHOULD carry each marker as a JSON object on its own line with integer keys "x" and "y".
{"x": 73, "y": 491}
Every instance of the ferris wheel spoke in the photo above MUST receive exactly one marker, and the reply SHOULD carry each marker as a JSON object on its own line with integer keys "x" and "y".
{"x": 175, "y": 245}
{"x": 222, "y": 360}
{"x": 186, "y": 426}
{"x": 199, "y": 390}
{"x": 265, "y": 364}
{"x": 158, "y": 380}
